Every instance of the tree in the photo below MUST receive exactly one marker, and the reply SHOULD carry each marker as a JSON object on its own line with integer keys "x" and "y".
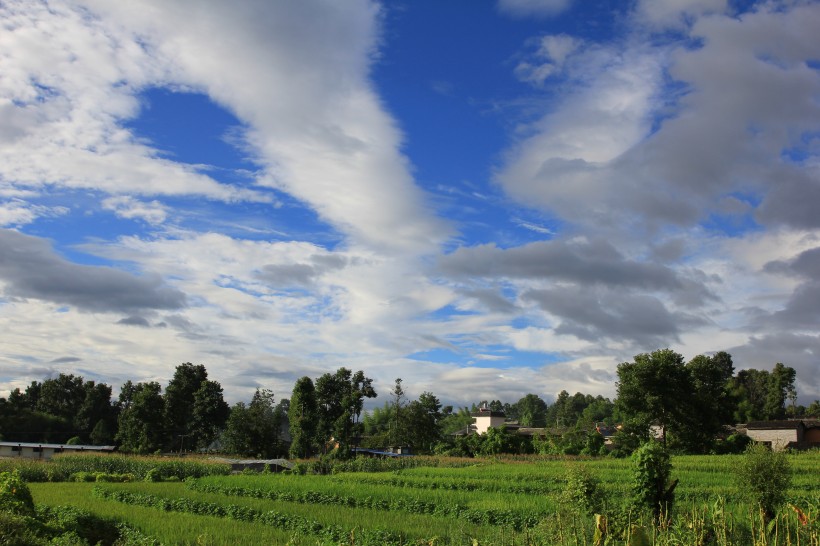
{"x": 340, "y": 400}
{"x": 209, "y": 415}
{"x": 750, "y": 389}
{"x": 61, "y": 396}
{"x": 397, "y": 428}
{"x": 302, "y": 418}
{"x": 141, "y": 424}
{"x": 655, "y": 388}
{"x": 96, "y": 413}
{"x": 780, "y": 388}
{"x": 422, "y": 417}
{"x": 713, "y": 405}
{"x": 532, "y": 411}
{"x": 253, "y": 430}
{"x": 179, "y": 401}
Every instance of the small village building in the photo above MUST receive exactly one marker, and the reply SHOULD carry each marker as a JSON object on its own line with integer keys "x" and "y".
{"x": 45, "y": 452}
{"x": 485, "y": 418}
{"x": 785, "y": 434}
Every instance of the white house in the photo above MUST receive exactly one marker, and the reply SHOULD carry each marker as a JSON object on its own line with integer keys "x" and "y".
{"x": 485, "y": 419}
{"x": 799, "y": 434}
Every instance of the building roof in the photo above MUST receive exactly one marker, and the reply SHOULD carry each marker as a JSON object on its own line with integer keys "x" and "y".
{"x": 487, "y": 413}
{"x": 75, "y": 447}
{"x": 284, "y": 463}
{"x": 787, "y": 424}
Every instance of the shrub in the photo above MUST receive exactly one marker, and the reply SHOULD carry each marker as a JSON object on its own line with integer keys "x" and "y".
{"x": 651, "y": 486}
{"x": 583, "y": 491}
{"x": 15, "y": 496}
{"x": 763, "y": 477}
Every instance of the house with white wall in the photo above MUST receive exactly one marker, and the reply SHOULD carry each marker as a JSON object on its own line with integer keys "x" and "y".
{"x": 785, "y": 434}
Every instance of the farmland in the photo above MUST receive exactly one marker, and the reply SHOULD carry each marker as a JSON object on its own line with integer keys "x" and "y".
{"x": 457, "y": 501}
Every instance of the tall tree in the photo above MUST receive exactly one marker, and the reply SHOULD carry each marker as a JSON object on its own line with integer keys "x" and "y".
{"x": 210, "y": 412}
{"x": 713, "y": 404}
{"x": 422, "y": 418}
{"x": 780, "y": 388}
{"x": 398, "y": 427}
{"x": 532, "y": 411}
{"x": 750, "y": 389}
{"x": 96, "y": 413}
{"x": 61, "y": 396}
{"x": 253, "y": 430}
{"x": 303, "y": 418}
{"x": 141, "y": 424}
{"x": 179, "y": 401}
{"x": 656, "y": 388}
{"x": 340, "y": 399}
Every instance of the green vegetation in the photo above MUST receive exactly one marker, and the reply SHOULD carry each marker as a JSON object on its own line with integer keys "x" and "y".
{"x": 764, "y": 477}
{"x": 495, "y": 501}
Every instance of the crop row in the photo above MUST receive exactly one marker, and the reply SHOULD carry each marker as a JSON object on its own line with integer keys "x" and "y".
{"x": 62, "y": 467}
{"x": 494, "y": 486}
{"x": 510, "y": 518}
{"x": 289, "y": 522}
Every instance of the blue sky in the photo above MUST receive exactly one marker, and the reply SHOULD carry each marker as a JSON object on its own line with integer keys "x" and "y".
{"x": 486, "y": 199}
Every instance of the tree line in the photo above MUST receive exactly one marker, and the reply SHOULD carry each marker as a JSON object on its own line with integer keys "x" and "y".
{"x": 690, "y": 402}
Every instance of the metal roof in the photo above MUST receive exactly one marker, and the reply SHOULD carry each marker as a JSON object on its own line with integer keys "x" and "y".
{"x": 75, "y": 447}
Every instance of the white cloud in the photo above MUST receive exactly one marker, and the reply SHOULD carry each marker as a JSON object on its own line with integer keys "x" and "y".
{"x": 125, "y": 206}
{"x": 312, "y": 114}
{"x": 548, "y": 60}
{"x": 69, "y": 80}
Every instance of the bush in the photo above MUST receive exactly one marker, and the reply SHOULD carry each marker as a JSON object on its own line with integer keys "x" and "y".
{"x": 763, "y": 477}
{"x": 19, "y": 531}
{"x": 583, "y": 491}
{"x": 15, "y": 496}
{"x": 651, "y": 487}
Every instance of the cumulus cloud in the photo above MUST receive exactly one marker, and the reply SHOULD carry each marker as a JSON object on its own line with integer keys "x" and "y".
{"x": 31, "y": 269}
{"x": 614, "y": 145}
{"x": 127, "y": 207}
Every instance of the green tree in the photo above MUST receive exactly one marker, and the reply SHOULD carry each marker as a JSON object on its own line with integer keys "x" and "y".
{"x": 302, "y": 418}
{"x": 179, "y": 401}
{"x": 340, "y": 400}
{"x": 96, "y": 413}
{"x": 398, "y": 427}
{"x": 780, "y": 388}
{"x": 141, "y": 423}
{"x": 422, "y": 417}
{"x": 253, "y": 430}
{"x": 713, "y": 405}
{"x": 61, "y": 396}
{"x": 209, "y": 415}
{"x": 656, "y": 388}
{"x": 750, "y": 389}
{"x": 532, "y": 411}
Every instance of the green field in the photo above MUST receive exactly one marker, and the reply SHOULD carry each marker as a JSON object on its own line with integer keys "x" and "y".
{"x": 476, "y": 502}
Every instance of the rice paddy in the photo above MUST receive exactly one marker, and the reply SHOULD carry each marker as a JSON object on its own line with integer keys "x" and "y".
{"x": 479, "y": 502}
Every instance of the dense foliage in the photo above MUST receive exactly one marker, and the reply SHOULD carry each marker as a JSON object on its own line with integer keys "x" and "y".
{"x": 688, "y": 405}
